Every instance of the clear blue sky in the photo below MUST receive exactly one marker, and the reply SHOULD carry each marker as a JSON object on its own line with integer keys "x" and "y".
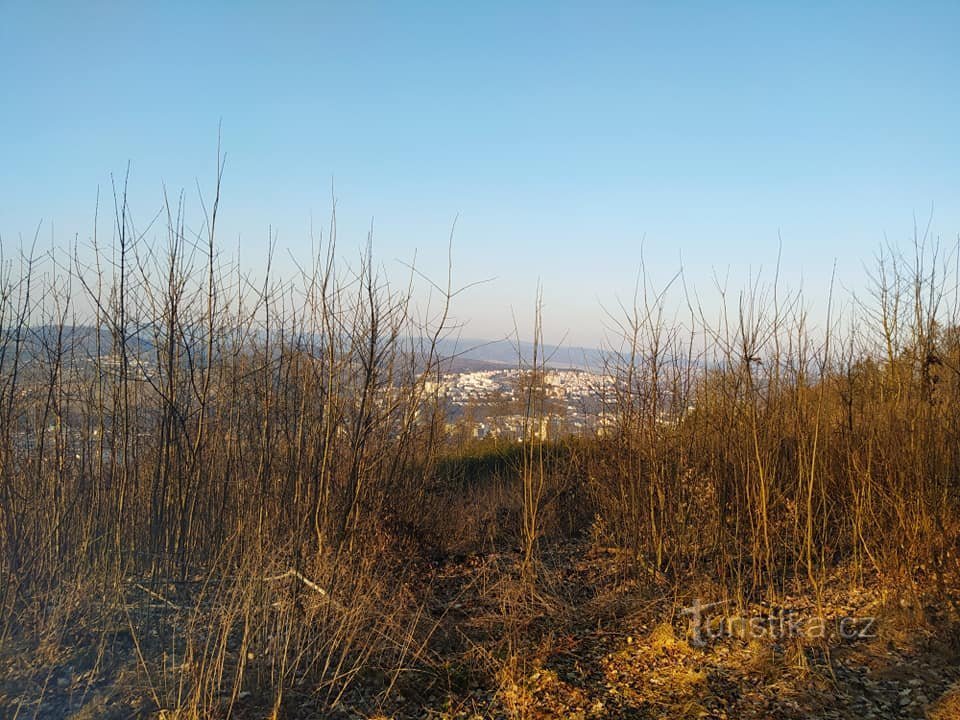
{"x": 564, "y": 135}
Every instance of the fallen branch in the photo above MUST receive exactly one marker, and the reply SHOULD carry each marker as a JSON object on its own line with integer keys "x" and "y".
{"x": 306, "y": 581}
{"x": 301, "y": 577}
{"x": 158, "y": 596}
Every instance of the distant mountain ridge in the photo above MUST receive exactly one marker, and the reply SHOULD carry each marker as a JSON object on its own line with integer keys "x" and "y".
{"x": 461, "y": 353}
{"x": 478, "y": 354}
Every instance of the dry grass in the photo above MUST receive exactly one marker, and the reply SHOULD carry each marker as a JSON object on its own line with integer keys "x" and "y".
{"x": 946, "y": 707}
{"x": 228, "y": 492}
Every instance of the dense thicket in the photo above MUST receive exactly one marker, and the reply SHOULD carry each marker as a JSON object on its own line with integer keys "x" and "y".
{"x": 232, "y": 446}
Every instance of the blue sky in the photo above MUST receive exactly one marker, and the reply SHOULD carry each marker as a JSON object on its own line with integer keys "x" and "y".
{"x": 569, "y": 138}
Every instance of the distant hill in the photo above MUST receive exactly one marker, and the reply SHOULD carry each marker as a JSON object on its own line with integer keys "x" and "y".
{"x": 477, "y": 354}
{"x": 461, "y": 354}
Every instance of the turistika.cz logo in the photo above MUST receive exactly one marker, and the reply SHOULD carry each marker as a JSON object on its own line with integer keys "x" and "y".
{"x": 706, "y": 627}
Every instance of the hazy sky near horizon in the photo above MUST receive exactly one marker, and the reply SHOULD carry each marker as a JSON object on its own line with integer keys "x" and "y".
{"x": 571, "y": 140}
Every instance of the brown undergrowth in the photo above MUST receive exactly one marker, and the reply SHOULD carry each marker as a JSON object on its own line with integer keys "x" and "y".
{"x": 229, "y": 494}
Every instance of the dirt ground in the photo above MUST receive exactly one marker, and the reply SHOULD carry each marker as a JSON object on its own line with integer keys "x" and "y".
{"x": 585, "y": 640}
